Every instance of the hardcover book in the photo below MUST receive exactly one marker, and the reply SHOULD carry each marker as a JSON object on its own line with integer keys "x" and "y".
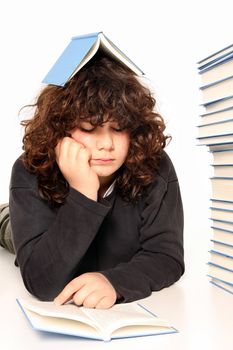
{"x": 223, "y": 285}
{"x": 120, "y": 321}
{"x": 223, "y": 260}
{"x": 223, "y": 225}
{"x": 222, "y": 248}
{"x": 215, "y": 129}
{"x": 221, "y": 273}
{"x": 212, "y": 141}
{"x": 80, "y": 51}
{"x": 217, "y": 71}
{"x": 217, "y": 90}
{"x": 224, "y": 156}
{"x": 219, "y": 105}
{"x": 222, "y": 235}
{"x": 217, "y": 116}
{"x": 217, "y": 56}
{"x": 222, "y": 188}
{"x": 221, "y": 214}
{"x": 223, "y": 170}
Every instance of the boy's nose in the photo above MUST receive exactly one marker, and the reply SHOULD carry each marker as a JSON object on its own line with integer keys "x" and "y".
{"x": 105, "y": 141}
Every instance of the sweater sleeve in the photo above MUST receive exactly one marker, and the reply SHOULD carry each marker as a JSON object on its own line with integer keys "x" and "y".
{"x": 160, "y": 261}
{"x": 50, "y": 245}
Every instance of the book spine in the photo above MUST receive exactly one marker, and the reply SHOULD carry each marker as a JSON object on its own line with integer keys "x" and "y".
{"x": 216, "y": 132}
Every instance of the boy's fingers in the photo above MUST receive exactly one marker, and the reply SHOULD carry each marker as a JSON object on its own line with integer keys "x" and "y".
{"x": 67, "y": 293}
{"x": 105, "y": 303}
{"x": 57, "y": 150}
{"x": 80, "y": 296}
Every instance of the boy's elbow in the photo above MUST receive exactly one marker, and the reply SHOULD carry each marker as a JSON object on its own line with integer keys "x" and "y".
{"x": 178, "y": 271}
{"x": 40, "y": 287}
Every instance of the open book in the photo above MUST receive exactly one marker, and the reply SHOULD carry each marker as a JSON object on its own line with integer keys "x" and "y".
{"x": 121, "y": 321}
{"x": 79, "y": 51}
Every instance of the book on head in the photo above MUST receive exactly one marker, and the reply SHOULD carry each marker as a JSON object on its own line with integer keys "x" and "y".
{"x": 79, "y": 51}
{"x": 120, "y": 321}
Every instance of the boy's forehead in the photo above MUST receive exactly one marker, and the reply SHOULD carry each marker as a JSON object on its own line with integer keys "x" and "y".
{"x": 100, "y": 119}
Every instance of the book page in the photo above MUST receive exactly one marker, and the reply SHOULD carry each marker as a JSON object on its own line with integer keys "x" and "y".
{"x": 62, "y": 325}
{"x": 108, "y": 46}
{"x": 122, "y": 315}
{"x": 67, "y": 311}
{"x": 126, "y": 320}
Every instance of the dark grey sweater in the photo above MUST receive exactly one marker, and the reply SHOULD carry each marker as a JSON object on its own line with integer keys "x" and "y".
{"x": 138, "y": 247}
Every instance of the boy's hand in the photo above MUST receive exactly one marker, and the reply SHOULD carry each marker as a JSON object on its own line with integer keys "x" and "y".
{"x": 73, "y": 160}
{"x": 91, "y": 290}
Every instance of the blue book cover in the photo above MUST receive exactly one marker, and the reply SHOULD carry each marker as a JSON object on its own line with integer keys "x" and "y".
{"x": 69, "y": 59}
{"x": 207, "y": 104}
{"x": 221, "y": 267}
{"x": 216, "y": 63}
{"x": 78, "y": 52}
{"x": 228, "y": 287}
{"x": 216, "y": 60}
{"x": 216, "y": 55}
{"x": 222, "y": 244}
{"x": 220, "y": 254}
{"x": 216, "y": 112}
{"x": 221, "y": 150}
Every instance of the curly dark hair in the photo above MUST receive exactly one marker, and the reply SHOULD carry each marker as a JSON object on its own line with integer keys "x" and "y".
{"x": 103, "y": 88}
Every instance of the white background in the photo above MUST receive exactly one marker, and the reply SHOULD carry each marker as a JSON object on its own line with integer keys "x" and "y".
{"x": 165, "y": 38}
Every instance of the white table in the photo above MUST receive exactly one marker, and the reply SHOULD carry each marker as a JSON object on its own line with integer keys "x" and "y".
{"x": 201, "y": 312}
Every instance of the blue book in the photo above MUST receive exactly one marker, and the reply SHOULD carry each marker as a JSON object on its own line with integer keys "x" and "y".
{"x": 221, "y": 259}
{"x": 120, "y": 321}
{"x": 222, "y": 248}
{"x": 228, "y": 287}
{"x": 80, "y": 51}
{"x": 219, "y": 55}
{"x": 217, "y": 63}
{"x": 221, "y": 273}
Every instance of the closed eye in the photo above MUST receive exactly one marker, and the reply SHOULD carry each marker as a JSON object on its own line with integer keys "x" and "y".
{"x": 118, "y": 129}
{"x": 87, "y": 130}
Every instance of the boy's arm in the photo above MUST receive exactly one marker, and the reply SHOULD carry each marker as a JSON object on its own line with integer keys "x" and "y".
{"x": 50, "y": 245}
{"x": 160, "y": 262}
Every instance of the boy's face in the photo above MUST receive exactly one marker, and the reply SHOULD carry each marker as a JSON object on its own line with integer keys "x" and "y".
{"x": 108, "y": 145}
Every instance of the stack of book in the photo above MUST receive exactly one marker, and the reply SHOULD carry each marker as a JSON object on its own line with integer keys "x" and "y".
{"x": 215, "y": 130}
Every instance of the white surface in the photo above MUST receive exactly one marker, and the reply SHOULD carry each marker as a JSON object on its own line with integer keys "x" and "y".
{"x": 166, "y": 39}
{"x": 201, "y": 312}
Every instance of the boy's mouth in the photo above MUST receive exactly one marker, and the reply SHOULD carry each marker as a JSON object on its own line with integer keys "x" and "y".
{"x": 100, "y": 161}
